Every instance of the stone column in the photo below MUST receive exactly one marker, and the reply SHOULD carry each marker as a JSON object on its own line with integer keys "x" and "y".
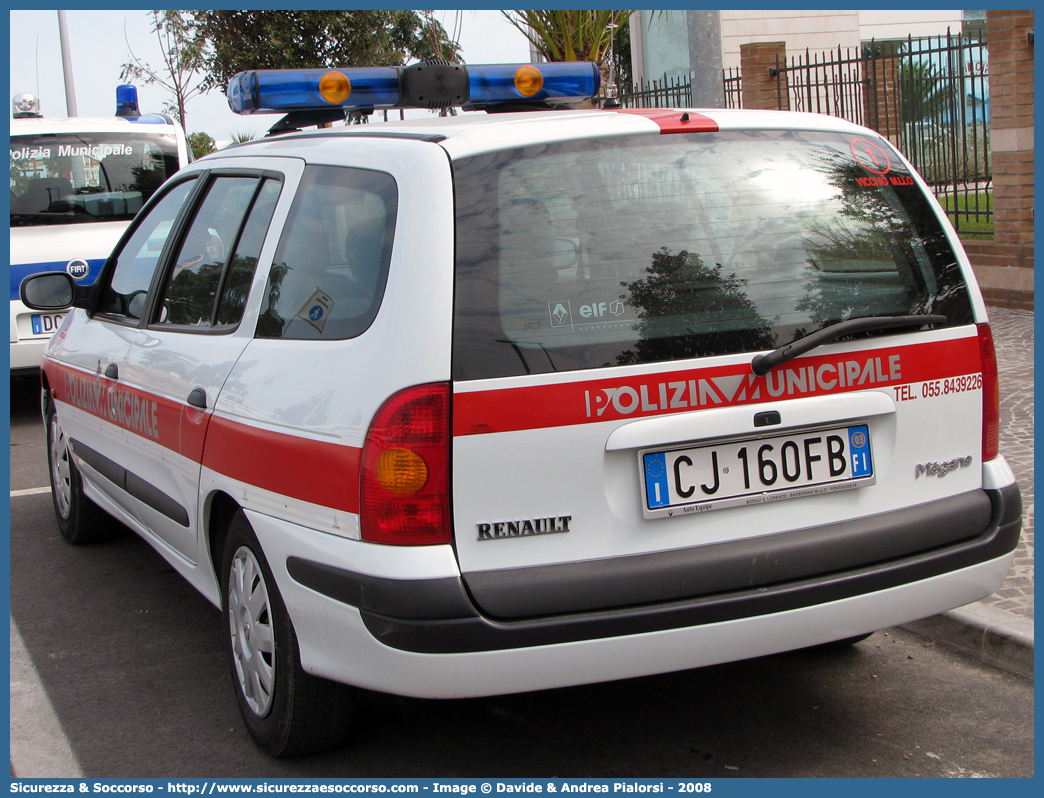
{"x": 881, "y": 98}
{"x": 760, "y": 88}
{"x": 1005, "y": 270}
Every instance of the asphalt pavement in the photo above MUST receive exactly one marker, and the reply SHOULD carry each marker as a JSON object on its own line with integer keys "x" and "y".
{"x": 999, "y": 629}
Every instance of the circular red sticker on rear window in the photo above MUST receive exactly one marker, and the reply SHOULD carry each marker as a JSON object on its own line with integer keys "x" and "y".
{"x": 872, "y": 157}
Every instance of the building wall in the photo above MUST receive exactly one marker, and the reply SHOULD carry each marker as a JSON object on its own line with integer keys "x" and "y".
{"x": 816, "y": 30}
{"x": 883, "y": 24}
{"x": 820, "y": 30}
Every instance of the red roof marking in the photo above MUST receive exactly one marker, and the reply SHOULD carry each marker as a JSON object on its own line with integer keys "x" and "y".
{"x": 674, "y": 121}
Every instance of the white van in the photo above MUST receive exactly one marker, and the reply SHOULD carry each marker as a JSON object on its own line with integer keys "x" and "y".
{"x": 75, "y": 185}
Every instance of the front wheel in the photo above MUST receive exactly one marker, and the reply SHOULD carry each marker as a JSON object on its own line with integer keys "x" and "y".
{"x": 79, "y": 519}
{"x": 287, "y": 711}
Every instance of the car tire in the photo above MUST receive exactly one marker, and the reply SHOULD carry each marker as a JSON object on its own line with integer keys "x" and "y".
{"x": 287, "y": 711}
{"x": 80, "y": 520}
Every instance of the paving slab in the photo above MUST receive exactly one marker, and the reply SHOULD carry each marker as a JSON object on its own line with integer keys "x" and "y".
{"x": 999, "y": 629}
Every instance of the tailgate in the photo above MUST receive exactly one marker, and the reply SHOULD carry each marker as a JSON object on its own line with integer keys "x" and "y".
{"x": 610, "y": 438}
{"x": 578, "y": 494}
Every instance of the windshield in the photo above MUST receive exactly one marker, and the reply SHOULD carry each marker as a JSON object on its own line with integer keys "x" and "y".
{"x": 645, "y": 249}
{"x": 70, "y": 178}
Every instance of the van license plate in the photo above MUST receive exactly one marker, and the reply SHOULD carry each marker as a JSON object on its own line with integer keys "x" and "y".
{"x": 46, "y": 323}
{"x": 756, "y": 471}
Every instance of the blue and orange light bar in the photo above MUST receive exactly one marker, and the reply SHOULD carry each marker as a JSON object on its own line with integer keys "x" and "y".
{"x": 430, "y": 84}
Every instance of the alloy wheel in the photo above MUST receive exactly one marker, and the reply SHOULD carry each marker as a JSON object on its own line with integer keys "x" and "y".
{"x": 250, "y": 624}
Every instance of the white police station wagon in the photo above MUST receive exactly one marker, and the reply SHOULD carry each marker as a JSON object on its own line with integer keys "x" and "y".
{"x": 530, "y": 398}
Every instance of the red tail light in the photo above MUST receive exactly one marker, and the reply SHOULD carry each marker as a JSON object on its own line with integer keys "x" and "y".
{"x": 990, "y": 395}
{"x": 405, "y": 469}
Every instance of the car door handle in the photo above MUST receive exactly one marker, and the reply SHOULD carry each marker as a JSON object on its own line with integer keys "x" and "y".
{"x": 112, "y": 371}
{"x": 198, "y": 398}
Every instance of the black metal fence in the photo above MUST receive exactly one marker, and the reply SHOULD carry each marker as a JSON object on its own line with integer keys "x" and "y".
{"x": 732, "y": 84}
{"x": 929, "y": 96}
{"x": 666, "y": 92}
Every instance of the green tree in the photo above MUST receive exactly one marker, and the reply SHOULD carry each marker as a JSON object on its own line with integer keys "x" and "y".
{"x": 201, "y": 144}
{"x": 686, "y": 309}
{"x": 242, "y": 40}
{"x": 620, "y": 53}
{"x": 182, "y": 52}
{"x": 560, "y": 35}
{"x": 923, "y": 94}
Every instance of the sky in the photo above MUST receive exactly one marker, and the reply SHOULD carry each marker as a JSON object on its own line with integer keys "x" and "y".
{"x": 98, "y": 44}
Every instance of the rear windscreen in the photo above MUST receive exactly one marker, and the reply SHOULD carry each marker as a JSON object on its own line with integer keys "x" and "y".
{"x": 70, "y": 178}
{"x": 594, "y": 253}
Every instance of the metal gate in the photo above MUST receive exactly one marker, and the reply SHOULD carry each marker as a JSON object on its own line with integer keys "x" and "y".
{"x": 929, "y": 96}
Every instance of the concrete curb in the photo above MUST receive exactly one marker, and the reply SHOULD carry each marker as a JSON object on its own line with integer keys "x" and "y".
{"x": 993, "y": 636}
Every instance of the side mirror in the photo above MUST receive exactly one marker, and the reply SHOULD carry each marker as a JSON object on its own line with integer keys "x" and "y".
{"x": 55, "y": 291}
{"x": 47, "y": 291}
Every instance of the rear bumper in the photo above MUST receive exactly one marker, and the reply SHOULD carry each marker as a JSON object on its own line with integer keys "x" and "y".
{"x": 27, "y": 354}
{"x": 700, "y": 587}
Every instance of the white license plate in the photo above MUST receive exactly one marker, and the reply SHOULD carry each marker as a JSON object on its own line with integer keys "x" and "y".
{"x": 46, "y": 323}
{"x": 755, "y": 471}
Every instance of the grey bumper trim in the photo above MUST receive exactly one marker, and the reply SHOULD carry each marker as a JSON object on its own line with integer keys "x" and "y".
{"x": 434, "y": 616}
{"x": 705, "y": 570}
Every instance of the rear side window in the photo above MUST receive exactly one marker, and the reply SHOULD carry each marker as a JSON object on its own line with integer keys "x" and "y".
{"x": 244, "y": 259}
{"x": 218, "y": 254}
{"x": 329, "y": 272}
{"x": 645, "y": 249}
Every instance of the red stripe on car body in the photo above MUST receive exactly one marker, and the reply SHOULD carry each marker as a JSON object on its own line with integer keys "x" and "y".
{"x": 308, "y": 470}
{"x": 300, "y": 468}
{"x": 590, "y": 401}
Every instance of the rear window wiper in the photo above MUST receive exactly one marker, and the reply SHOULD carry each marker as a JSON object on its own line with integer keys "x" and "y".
{"x": 763, "y": 364}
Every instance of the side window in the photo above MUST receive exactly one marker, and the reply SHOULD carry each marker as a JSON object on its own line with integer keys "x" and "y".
{"x": 218, "y": 253}
{"x": 244, "y": 260}
{"x": 327, "y": 279}
{"x": 136, "y": 262}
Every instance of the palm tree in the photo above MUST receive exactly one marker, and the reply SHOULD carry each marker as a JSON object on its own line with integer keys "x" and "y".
{"x": 560, "y": 35}
{"x": 923, "y": 91}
